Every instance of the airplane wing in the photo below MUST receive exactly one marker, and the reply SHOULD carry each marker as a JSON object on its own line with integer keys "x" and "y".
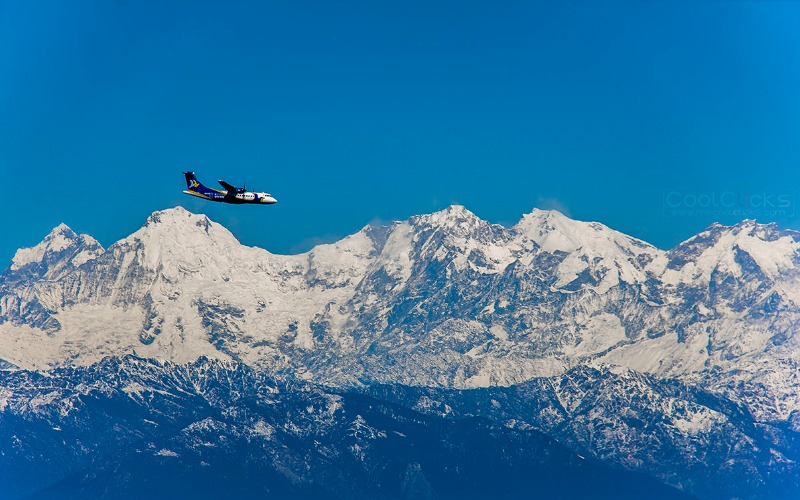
{"x": 228, "y": 187}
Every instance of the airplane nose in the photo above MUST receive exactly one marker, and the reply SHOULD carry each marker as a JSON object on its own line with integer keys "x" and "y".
{"x": 269, "y": 199}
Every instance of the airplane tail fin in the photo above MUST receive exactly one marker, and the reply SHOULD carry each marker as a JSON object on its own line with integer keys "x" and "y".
{"x": 191, "y": 180}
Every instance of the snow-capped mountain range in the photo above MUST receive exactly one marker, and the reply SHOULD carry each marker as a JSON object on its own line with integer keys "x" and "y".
{"x": 704, "y": 332}
{"x": 444, "y": 299}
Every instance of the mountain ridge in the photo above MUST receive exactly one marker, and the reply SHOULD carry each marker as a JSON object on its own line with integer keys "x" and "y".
{"x": 434, "y": 278}
{"x": 623, "y": 351}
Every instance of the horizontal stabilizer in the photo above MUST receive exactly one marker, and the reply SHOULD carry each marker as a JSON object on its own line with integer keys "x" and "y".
{"x": 198, "y": 194}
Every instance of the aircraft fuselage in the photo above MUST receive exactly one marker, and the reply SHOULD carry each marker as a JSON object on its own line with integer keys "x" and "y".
{"x": 238, "y": 196}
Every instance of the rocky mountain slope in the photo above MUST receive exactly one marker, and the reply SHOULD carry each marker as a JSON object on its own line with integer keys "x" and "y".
{"x": 130, "y": 428}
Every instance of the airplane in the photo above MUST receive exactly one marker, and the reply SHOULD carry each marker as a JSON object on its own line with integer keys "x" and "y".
{"x": 230, "y": 195}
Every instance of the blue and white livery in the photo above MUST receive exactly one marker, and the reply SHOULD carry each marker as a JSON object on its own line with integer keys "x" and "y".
{"x": 230, "y": 195}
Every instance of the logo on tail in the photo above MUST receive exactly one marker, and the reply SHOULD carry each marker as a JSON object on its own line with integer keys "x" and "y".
{"x": 191, "y": 180}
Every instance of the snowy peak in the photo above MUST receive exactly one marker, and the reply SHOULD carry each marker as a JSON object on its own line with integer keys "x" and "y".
{"x": 181, "y": 224}
{"x": 746, "y": 229}
{"x": 173, "y": 216}
{"x": 177, "y": 235}
{"x": 454, "y": 218}
{"x": 553, "y": 231}
{"x": 63, "y": 245}
{"x": 457, "y": 227}
{"x": 459, "y": 237}
{"x": 764, "y": 232}
{"x": 743, "y": 249}
{"x": 595, "y": 254}
{"x": 58, "y": 240}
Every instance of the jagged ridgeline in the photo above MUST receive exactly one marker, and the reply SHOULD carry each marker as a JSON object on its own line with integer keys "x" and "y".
{"x": 680, "y": 364}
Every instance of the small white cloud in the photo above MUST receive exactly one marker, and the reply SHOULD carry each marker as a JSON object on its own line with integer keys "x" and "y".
{"x": 552, "y": 204}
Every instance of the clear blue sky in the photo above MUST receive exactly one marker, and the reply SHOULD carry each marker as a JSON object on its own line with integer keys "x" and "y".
{"x": 347, "y": 112}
